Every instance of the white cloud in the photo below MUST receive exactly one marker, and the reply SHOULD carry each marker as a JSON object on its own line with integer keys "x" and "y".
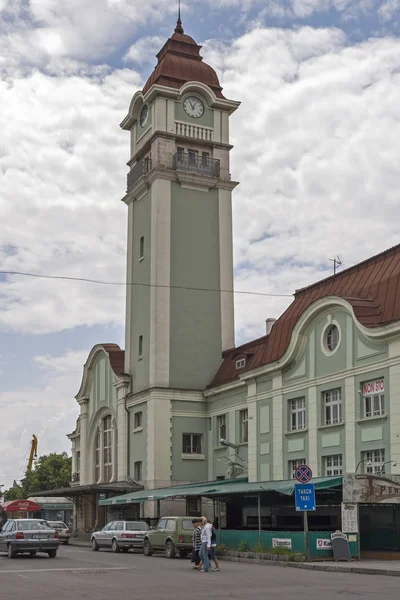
{"x": 49, "y": 412}
{"x": 144, "y": 50}
{"x": 389, "y": 9}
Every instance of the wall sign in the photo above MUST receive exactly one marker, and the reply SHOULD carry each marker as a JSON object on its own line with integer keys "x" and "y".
{"x": 349, "y": 518}
{"x": 282, "y": 543}
{"x": 374, "y": 387}
{"x": 324, "y": 544}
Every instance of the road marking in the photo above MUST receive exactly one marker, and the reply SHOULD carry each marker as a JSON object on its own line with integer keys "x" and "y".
{"x": 74, "y": 569}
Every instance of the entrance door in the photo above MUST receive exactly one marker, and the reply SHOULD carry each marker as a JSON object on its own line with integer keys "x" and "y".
{"x": 378, "y": 527}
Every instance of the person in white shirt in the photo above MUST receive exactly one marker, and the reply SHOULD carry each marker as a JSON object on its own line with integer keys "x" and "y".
{"x": 206, "y": 531}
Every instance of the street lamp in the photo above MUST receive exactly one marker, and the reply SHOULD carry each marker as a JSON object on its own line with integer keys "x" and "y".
{"x": 393, "y": 462}
{"x": 224, "y": 442}
{"x": 369, "y": 463}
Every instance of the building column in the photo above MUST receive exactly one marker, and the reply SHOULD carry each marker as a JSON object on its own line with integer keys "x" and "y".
{"x": 101, "y": 432}
{"x": 350, "y": 420}
{"x": 122, "y": 388}
{"x": 394, "y": 421}
{"x": 253, "y": 446}
{"x": 83, "y": 424}
{"x": 312, "y": 412}
{"x": 277, "y": 428}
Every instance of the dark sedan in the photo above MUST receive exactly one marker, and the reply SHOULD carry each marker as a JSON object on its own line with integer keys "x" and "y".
{"x": 28, "y": 536}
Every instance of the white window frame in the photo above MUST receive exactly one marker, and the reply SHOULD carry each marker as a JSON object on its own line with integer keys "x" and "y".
{"x": 297, "y": 411}
{"x": 376, "y": 458}
{"x": 240, "y": 363}
{"x": 376, "y": 404}
{"x": 332, "y": 406}
{"x": 192, "y": 446}
{"x": 107, "y": 449}
{"x": 221, "y": 427}
{"x": 294, "y": 465}
{"x": 244, "y": 426}
{"x": 333, "y": 465}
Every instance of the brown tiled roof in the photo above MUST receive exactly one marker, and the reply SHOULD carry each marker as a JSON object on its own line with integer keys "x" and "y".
{"x": 372, "y": 287}
{"x": 116, "y": 356}
{"x": 179, "y": 61}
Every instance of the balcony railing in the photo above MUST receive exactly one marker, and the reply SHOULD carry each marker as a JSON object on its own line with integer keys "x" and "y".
{"x": 192, "y": 163}
{"x": 141, "y": 168}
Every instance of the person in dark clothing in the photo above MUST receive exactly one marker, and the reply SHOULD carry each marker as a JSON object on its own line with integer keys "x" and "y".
{"x": 196, "y": 544}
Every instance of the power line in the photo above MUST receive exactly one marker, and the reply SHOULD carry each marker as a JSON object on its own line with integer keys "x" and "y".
{"x": 150, "y": 285}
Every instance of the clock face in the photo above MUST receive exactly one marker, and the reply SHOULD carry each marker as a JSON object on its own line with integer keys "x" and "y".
{"x": 144, "y": 115}
{"x": 193, "y": 107}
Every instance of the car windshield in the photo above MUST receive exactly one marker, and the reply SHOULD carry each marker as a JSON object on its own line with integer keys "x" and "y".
{"x": 32, "y": 525}
{"x": 58, "y": 525}
{"x": 137, "y": 527}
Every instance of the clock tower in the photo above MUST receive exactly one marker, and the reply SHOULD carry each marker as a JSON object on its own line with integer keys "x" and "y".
{"x": 179, "y": 306}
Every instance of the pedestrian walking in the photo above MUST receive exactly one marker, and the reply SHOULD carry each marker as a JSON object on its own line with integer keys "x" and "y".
{"x": 206, "y": 531}
{"x": 196, "y": 544}
{"x": 213, "y": 549}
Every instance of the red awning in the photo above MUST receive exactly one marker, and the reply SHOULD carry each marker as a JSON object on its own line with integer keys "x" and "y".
{"x": 21, "y": 505}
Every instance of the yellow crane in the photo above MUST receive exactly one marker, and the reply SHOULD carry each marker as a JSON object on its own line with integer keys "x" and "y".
{"x": 33, "y": 453}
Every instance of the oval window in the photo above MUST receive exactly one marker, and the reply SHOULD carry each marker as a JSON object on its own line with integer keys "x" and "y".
{"x": 332, "y": 338}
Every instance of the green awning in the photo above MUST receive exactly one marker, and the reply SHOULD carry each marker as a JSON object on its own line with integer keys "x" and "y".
{"x": 218, "y": 488}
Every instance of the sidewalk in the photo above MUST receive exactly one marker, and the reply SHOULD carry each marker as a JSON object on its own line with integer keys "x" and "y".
{"x": 362, "y": 567}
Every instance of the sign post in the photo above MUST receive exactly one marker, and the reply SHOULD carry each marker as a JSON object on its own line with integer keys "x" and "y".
{"x": 304, "y": 497}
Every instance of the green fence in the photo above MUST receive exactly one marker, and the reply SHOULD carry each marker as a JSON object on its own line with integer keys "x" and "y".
{"x": 319, "y": 542}
{"x": 287, "y": 539}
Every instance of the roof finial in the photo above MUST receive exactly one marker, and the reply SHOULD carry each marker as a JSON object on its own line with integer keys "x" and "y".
{"x": 179, "y": 28}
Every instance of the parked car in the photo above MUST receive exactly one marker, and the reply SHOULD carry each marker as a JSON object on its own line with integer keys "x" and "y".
{"x": 120, "y": 536}
{"x": 21, "y": 536}
{"x": 172, "y": 535}
{"x": 64, "y": 532}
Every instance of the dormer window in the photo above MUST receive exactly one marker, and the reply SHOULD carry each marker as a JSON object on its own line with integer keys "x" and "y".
{"x": 240, "y": 363}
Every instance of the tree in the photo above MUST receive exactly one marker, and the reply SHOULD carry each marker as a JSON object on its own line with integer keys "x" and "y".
{"x": 14, "y": 493}
{"x": 52, "y": 471}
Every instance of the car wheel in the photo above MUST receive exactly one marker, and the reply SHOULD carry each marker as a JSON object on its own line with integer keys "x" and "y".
{"x": 52, "y": 553}
{"x": 11, "y": 552}
{"x": 95, "y": 546}
{"x": 125, "y": 550}
{"x": 32, "y": 552}
{"x": 114, "y": 546}
{"x": 66, "y": 542}
{"x": 170, "y": 549}
{"x": 147, "y": 549}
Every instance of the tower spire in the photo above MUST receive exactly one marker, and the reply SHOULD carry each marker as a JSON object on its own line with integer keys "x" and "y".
{"x": 179, "y": 28}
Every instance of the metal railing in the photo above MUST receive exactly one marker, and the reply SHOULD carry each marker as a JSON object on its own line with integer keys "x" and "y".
{"x": 192, "y": 163}
{"x": 141, "y": 168}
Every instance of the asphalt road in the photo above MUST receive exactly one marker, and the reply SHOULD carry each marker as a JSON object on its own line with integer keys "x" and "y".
{"x": 77, "y": 573}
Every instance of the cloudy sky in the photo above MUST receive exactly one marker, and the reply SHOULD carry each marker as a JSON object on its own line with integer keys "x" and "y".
{"x": 316, "y": 150}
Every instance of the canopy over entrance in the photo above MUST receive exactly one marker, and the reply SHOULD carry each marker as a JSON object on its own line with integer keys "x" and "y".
{"x": 219, "y": 488}
{"x": 21, "y": 506}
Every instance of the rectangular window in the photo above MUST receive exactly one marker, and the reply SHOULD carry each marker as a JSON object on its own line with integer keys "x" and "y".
{"x": 333, "y": 465}
{"x": 107, "y": 448}
{"x": 205, "y": 156}
{"x": 297, "y": 414}
{"x": 141, "y": 248}
{"x": 192, "y": 443}
{"x": 192, "y": 157}
{"x": 138, "y": 419}
{"x": 332, "y": 408}
{"x": 240, "y": 363}
{"x": 244, "y": 426}
{"x": 97, "y": 457}
{"x": 293, "y": 466}
{"x": 140, "y": 346}
{"x": 221, "y": 422}
{"x": 180, "y": 152}
{"x": 373, "y": 461}
{"x": 137, "y": 470}
{"x": 373, "y": 398}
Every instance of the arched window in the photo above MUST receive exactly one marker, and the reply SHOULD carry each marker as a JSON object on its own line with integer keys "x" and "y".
{"x": 104, "y": 451}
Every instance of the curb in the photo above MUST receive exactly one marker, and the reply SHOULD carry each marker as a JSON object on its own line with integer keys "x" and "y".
{"x": 317, "y": 567}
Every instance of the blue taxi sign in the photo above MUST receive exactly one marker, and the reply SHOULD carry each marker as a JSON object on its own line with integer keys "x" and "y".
{"x": 305, "y": 496}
